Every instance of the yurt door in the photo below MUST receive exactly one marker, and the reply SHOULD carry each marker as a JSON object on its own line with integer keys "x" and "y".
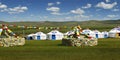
{"x": 29, "y": 38}
{"x": 53, "y": 37}
{"x": 118, "y": 35}
{"x": 96, "y": 35}
{"x": 38, "y": 37}
{"x": 105, "y": 36}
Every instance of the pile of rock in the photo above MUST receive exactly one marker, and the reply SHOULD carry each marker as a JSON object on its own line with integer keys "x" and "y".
{"x": 79, "y": 42}
{"x": 7, "y": 42}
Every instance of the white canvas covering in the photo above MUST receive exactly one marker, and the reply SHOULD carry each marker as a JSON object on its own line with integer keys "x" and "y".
{"x": 69, "y": 33}
{"x": 105, "y": 34}
{"x": 40, "y": 36}
{"x": 89, "y": 32}
{"x": 113, "y": 32}
{"x": 30, "y": 36}
{"x": 1, "y": 30}
{"x": 98, "y": 34}
{"x": 55, "y": 35}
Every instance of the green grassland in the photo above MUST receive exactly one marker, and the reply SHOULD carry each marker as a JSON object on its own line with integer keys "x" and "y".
{"x": 107, "y": 49}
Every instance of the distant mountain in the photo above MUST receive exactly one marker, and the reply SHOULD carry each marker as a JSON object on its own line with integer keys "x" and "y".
{"x": 1, "y": 21}
{"x": 67, "y": 23}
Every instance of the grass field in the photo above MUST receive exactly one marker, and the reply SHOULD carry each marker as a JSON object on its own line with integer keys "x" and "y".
{"x": 107, "y": 49}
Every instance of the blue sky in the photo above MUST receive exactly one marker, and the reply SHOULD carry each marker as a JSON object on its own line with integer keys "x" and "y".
{"x": 59, "y": 10}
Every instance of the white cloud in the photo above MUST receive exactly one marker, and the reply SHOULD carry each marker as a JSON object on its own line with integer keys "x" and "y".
{"x": 107, "y": 0}
{"x": 87, "y": 6}
{"x": 55, "y": 13}
{"x": 115, "y": 10}
{"x": 53, "y": 9}
{"x": 68, "y": 18}
{"x": 106, "y": 6}
{"x": 77, "y": 18}
{"x": 80, "y": 16}
{"x": 31, "y": 15}
{"x": 45, "y": 17}
{"x": 3, "y": 6}
{"x": 58, "y": 3}
{"x": 98, "y": 9}
{"x": 4, "y": 10}
{"x": 18, "y": 9}
{"x": 84, "y": 16}
{"x": 112, "y": 16}
{"x": 50, "y": 4}
{"x": 78, "y": 11}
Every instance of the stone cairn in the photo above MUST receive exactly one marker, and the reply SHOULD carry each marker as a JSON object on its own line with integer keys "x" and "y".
{"x": 10, "y": 38}
{"x": 7, "y": 42}
{"x": 81, "y": 41}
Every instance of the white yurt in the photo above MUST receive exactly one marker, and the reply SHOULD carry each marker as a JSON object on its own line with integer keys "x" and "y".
{"x": 69, "y": 33}
{"x": 89, "y": 32}
{"x": 105, "y": 34}
{"x": 1, "y": 31}
{"x": 98, "y": 34}
{"x": 40, "y": 36}
{"x": 55, "y": 35}
{"x": 86, "y": 31}
{"x": 30, "y": 37}
{"x": 115, "y": 33}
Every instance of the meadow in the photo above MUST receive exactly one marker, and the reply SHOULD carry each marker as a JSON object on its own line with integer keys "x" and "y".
{"x": 107, "y": 49}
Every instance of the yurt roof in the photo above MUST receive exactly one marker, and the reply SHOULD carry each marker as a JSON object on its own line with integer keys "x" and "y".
{"x": 114, "y": 30}
{"x": 104, "y": 32}
{"x": 39, "y": 33}
{"x": 69, "y": 32}
{"x": 54, "y": 32}
{"x": 31, "y": 35}
{"x": 96, "y": 31}
{"x": 87, "y": 30}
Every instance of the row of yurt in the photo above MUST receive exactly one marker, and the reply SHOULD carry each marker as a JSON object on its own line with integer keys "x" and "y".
{"x": 56, "y": 35}
{"x": 53, "y": 35}
{"x": 114, "y": 33}
{"x": 96, "y": 33}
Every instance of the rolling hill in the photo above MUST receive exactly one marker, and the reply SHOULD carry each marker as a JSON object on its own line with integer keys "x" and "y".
{"x": 106, "y": 25}
{"x": 68, "y": 23}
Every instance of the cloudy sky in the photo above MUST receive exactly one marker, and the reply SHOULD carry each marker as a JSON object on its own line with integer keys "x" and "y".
{"x": 59, "y": 10}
